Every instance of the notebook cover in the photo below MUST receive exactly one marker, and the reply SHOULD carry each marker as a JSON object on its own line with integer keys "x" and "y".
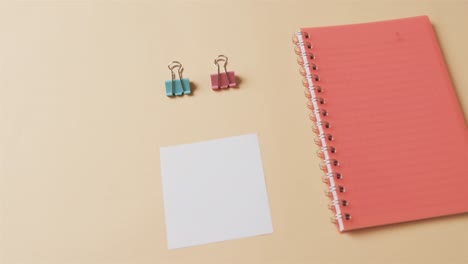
{"x": 399, "y": 131}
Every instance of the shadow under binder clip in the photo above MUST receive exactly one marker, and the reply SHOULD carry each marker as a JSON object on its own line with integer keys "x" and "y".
{"x": 179, "y": 86}
{"x": 225, "y": 79}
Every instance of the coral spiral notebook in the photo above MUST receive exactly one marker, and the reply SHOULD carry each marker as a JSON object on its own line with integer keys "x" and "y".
{"x": 392, "y": 135}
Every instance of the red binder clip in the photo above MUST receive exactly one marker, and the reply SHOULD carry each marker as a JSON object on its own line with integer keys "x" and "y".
{"x": 223, "y": 80}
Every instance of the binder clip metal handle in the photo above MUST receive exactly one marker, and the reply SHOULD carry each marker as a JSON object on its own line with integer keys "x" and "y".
{"x": 222, "y": 79}
{"x": 222, "y": 58}
{"x": 173, "y": 65}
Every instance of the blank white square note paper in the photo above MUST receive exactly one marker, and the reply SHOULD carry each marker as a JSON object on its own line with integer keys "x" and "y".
{"x": 214, "y": 191}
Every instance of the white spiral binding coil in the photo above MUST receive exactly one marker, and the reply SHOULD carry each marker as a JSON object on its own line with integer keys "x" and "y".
{"x": 328, "y": 163}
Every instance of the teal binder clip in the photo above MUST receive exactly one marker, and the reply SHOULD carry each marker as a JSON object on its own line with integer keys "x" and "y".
{"x": 179, "y": 86}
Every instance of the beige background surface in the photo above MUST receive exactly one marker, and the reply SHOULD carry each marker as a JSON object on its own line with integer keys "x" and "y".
{"x": 83, "y": 114}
